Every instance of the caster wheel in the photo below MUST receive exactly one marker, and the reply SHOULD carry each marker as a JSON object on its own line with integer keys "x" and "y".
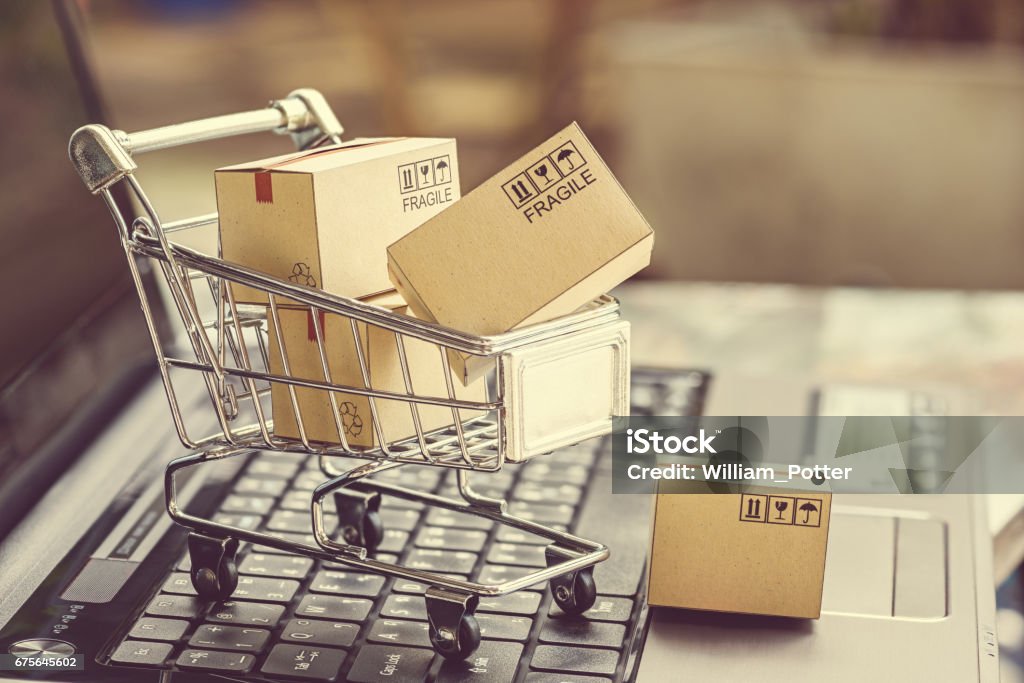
{"x": 580, "y": 597}
{"x": 373, "y": 530}
{"x": 216, "y": 584}
{"x": 469, "y": 640}
{"x": 214, "y": 572}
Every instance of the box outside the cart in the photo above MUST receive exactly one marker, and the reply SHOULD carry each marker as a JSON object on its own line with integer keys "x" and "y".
{"x": 323, "y": 218}
{"x": 757, "y": 552}
{"x": 426, "y": 364}
{"x": 540, "y": 239}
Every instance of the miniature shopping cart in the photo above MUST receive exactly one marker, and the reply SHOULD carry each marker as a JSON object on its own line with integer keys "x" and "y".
{"x": 553, "y": 385}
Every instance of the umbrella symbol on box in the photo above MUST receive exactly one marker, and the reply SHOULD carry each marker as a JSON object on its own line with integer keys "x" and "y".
{"x": 807, "y": 509}
{"x": 564, "y": 156}
{"x": 441, "y": 166}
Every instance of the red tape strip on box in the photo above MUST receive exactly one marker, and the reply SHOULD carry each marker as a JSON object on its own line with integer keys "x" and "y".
{"x": 311, "y": 328}
{"x": 264, "y": 187}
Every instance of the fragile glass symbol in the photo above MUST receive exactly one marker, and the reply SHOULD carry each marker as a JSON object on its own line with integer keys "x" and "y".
{"x": 781, "y": 506}
{"x": 542, "y": 172}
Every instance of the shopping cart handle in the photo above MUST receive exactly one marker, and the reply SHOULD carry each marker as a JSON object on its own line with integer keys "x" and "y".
{"x": 103, "y": 156}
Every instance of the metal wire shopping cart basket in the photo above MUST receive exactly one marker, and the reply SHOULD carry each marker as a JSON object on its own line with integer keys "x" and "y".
{"x": 554, "y": 384}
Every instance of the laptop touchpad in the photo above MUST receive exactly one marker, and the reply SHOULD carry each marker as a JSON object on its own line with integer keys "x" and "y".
{"x": 885, "y": 566}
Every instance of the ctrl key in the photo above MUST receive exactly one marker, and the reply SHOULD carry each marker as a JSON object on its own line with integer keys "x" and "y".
{"x": 141, "y": 653}
{"x": 306, "y": 663}
{"x": 208, "y": 660}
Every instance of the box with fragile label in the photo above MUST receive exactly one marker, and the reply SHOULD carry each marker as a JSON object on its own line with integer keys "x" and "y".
{"x": 757, "y": 552}
{"x": 379, "y": 347}
{"x": 324, "y": 218}
{"x": 538, "y": 240}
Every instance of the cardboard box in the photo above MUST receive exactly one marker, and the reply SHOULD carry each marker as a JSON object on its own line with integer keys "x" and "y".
{"x": 733, "y": 552}
{"x": 323, "y": 218}
{"x": 426, "y": 368}
{"x": 538, "y": 240}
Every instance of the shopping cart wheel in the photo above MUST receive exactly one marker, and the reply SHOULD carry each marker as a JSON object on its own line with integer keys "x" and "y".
{"x": 574, "y": 591}
{"x": 454, "y": 631}
{"x": 359, "y": 518}
{"x": 214, "y": 572}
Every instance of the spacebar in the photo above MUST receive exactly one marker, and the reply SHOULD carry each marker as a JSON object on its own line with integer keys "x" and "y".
{"x": 621, "y": 522}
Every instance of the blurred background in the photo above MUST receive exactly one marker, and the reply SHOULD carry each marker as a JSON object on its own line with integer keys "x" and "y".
{"x": 850, "y": 142}
{"x": 865, "y": 143}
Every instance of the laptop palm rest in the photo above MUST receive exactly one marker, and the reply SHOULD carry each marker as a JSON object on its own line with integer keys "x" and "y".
{"x": 885, "y": 566}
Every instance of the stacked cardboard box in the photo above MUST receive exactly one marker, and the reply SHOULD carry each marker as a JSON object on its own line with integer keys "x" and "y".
{"x": 538, "y": 240}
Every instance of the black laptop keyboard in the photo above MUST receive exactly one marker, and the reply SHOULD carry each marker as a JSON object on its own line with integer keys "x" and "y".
{"x": 293, "y": 618}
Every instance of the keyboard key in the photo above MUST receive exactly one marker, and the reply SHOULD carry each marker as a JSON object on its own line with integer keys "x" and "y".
{"x": 451, "y": 539}
{"x": 504, "y": 627}
{"x": 333, "y": 607}
{"x": 459, "y": 520}
{"x": 582, "y": 632}
{"x": 347, "y": 583}
{"x": 247, "y": 522}
{"x": 301, "y": 539}
{"x": 541, "y": 677}
{"x": 300, "y": 501}
{"x": 543, "y": 514}
{"x": 535, "y": 492}
{"x": 403, "y": 520}
{"x": 217, "y": 637}
{"x": 456, "y": 562}
{"x": 263, "y": 589}
{"x": 575, "y": 659}
{"x": 394, "y": 541}
{"x": 262, "y": 487}
{"x": 405, "y": 607}
{"x": 152, "y": 628}
{"x": 304, "y": 662}
{"x": 307, "y": 481}
{"x": 519, "y": 555}
{"x": 556, "y": 473}
{"x": 182, "y": 606}
{"x": 141, "y": 653}
{"x": 400, "y": 632}
{"x": 507, "y": 534}
{"x": 500, "y": 573}
{"x": 520, "y": 602}
{"x": 382, "y": 663}
{"x": 412, "y": 587}
{"x": 221, "y": 662}
{"x": 298, "y": 522}
{"x": 253, "y": 505}
{"x": 604, "y": 609}
{"x": 493, "y": 662}
{"x": 246, "y": 614}
{"x": 280, "y": 566}
{"x": 396, "y": 503}
{"x": 319, "y": 632}
{"x": 179, "y": 583}
{"x": 278, "y": 468}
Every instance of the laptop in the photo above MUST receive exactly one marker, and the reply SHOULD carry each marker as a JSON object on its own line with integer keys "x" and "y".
{"x": 94, "y": 577}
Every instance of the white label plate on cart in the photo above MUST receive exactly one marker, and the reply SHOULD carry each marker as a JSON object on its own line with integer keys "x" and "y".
{"x": 563, "y": 391}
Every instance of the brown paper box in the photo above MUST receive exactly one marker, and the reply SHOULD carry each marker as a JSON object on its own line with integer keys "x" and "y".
{"x": 538, "y": 240}
{"x": 323, "y": 218}
{"x": 426, "y": 369}
{"x": 729, "y": 552}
